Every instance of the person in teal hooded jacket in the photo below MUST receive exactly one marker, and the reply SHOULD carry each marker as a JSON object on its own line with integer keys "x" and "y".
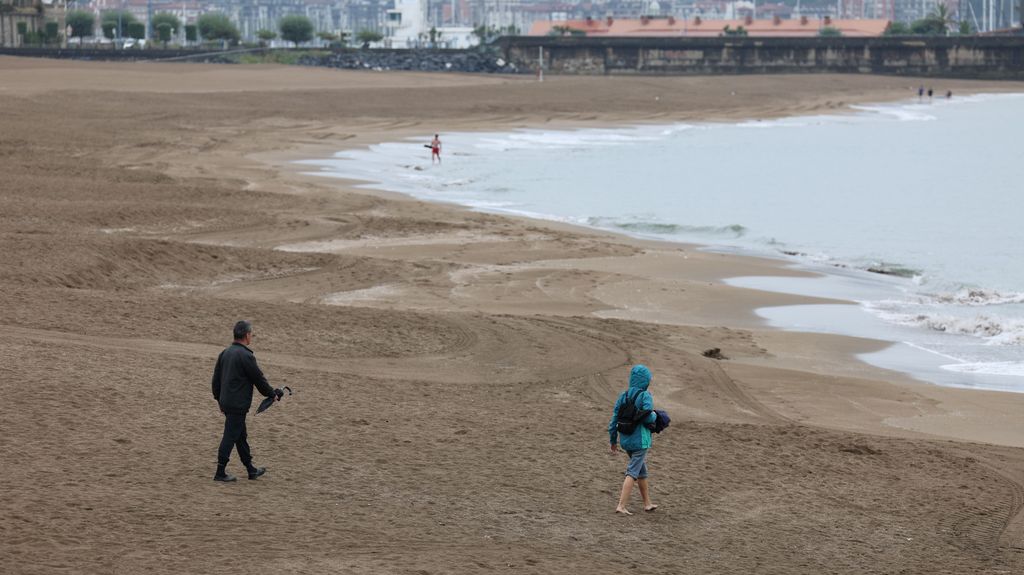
{"x": 637, "y": 443}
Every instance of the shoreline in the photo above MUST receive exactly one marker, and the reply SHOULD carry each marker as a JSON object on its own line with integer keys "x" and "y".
{"x": 452, "y": 375}
{"x": 918, "y": 370}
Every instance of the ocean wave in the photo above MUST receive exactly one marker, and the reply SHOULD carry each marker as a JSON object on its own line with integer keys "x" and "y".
{"x": 979, "y": 297}
{"x": 729, "y": 231}
{"x": 557, "y": 140}
{"x": 897, "y": 270}
{"x": 904, "y": 113}
{"x": 995, "y": 330}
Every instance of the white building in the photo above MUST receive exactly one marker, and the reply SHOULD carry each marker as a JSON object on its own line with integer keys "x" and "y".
{"x": 407, "y": 26}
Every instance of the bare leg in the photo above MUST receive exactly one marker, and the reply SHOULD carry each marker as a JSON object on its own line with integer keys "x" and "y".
{"x": 627, "y": 489}
{"x": 646, "y": 494}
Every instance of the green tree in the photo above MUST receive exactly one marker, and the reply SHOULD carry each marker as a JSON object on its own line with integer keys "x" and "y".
{"x": 136, "y": 30}
{"x": 296, "y": 29}
{"x": 116, "y": 21}
{"x": 965, "y": 28}
{"x": 169, "y": 19}
{"x": 928, "y": 26}
{"x": 830, "y": 32}
{"x": 897, "y": 29}
{"x": 163, "y": 32}
{"x": 943, "y": 15}
{"x": 217, "y": 26}
{"x": 191, "y": 32}
{"x": 82, "y": 23}
{"x": 265, "y": 36}
{"x": 739, "y": 31}
{"x": 52, "y": 32}
{"x": 367, "y": 37}
{"x": 331, "y": 39}
{"x": 488, "y": 34}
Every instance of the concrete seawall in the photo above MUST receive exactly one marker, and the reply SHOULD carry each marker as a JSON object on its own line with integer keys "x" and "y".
{"x": 958, "y": 57}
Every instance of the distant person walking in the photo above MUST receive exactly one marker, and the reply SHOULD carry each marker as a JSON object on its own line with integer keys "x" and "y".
{"x": 920, "y": 92}
{"x": 234, "y": 376}
{"x": 949, "y": 94}
{"x": 435, "y": 149}
{"x": 635, "y": 403}
{"x": 930, "y": 92}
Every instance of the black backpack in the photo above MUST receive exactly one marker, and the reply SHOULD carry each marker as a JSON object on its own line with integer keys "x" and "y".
{"x": 629, "y": 415}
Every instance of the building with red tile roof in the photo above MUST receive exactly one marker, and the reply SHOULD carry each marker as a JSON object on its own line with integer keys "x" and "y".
{"x": 699, "y": 28}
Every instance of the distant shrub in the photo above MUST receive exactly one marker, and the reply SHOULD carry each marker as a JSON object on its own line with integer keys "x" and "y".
{"x": 136, "y": 30}
{"x": 296, "y": 29}
{"x": 217, "y": 26}
{"x": 82, "y": 23}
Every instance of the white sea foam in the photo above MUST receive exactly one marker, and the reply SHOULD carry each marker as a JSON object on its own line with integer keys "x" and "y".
{"x": 979, "y": 297}
{"x": 903, "y": 113}
{"x": 994, "y": 330}
{"x": 553, "y": 140}
{"x": 1014, "y": 368}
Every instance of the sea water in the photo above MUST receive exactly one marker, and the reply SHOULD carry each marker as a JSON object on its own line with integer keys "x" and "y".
{"x": 910, "y": 210}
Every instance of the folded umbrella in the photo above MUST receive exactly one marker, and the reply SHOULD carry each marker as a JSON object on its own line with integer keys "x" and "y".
{"x": 266, "y": 403}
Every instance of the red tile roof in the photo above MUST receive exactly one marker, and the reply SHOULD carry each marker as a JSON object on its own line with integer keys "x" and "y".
{"x": 696, "y": 27}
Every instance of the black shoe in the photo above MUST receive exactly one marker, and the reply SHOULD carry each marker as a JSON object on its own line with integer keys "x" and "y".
{"x": 227, "y": 477}
{"x": 256, "y": 472}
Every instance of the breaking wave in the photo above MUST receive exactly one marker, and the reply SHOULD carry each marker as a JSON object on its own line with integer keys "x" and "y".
{"x": 660, "y": 228}
{"x": 995, "y": 330}
{"x": 979, "y": 297}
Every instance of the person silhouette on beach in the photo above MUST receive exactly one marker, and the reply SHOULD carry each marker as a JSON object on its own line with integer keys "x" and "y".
{"x": 920, "y": 92}
{"x": 234, "y": 377}
{"x": 637, "y": 442}
{"x": 435, "y": 149}
{"x": 930, "y": 92}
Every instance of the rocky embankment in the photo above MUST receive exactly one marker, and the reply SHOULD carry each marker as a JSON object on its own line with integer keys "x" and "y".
{"x": 477, "y": 61}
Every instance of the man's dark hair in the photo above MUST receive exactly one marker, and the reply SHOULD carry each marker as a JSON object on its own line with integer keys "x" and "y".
{"x": 241, "y": 328}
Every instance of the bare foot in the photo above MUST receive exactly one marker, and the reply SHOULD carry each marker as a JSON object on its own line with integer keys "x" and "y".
{"x": 622, "y": 510}
{"x": 650, "y": 508}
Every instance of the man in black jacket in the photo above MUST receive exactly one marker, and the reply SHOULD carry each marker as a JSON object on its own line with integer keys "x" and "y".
{"x": 233, "y": 379}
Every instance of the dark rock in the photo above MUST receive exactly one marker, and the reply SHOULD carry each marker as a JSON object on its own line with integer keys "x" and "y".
{"x": 714, "y": 353}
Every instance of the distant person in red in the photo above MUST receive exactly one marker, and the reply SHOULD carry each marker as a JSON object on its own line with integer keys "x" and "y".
{"x": 435, "y": 149}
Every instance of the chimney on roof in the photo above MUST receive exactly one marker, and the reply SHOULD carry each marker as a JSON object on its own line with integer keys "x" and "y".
{"x": 776, "y": 19}
{"x": 645, "y": 19}
{"x": 609, "y": 20}
{"x": 828, "y": 20}
{"x": 803, "y": 20}
{"x": 696, "y": 20}
{"x": 590, "y": 21}
{"x": 748, "y": 19}
{"x": 671, "y": 20}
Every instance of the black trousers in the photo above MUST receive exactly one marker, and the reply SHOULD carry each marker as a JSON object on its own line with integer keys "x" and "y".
{"x": 234, "y": 436}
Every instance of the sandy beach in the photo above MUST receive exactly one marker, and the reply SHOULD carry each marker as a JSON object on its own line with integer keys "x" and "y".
{"x": 453, "y": 371}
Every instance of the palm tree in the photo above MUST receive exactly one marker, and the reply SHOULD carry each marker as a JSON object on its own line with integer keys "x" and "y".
{"x": 944, "y": 16}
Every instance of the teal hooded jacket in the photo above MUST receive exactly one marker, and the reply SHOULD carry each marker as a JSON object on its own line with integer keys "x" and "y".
{"x": 639, "y": 378}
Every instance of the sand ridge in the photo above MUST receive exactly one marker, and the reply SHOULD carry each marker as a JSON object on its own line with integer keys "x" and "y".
{"x": 453, "y": 371}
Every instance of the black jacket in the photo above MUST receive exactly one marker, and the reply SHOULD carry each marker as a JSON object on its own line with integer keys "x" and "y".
{"x": 234, "y": 376}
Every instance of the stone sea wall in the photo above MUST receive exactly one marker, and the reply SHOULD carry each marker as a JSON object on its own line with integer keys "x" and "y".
{"x": 953, "y": 57}
{"x": 963, "y": 57}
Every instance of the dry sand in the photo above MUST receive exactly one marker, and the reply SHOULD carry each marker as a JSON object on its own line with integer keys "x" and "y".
{"x": 453, "y": 371}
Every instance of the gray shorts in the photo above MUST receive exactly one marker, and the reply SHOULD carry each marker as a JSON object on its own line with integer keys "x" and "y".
{"x": 637, "y": 468}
